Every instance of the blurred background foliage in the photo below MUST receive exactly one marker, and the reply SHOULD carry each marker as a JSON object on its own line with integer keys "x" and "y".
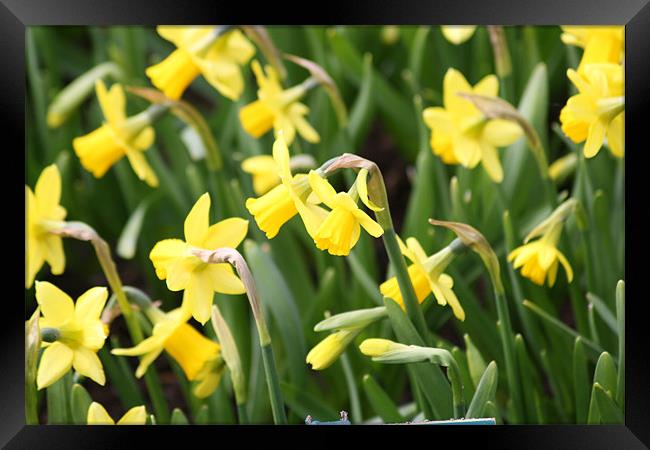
{"x": 385, "y": 82}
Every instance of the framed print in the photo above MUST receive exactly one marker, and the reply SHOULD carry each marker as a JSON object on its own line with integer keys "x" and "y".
{"x": 384, "y": 215}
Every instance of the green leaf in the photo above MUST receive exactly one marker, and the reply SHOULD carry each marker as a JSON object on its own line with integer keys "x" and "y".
{"x": 80, "y": 402}
{"x": 580, "y": 381}
{"x": 429, "y": 377}
{"x": 58, "y": 395}
{"x": 528, "y": 378}
{"x": 32, "y": 351}
{"x": 202, "y": 417}
{"x": 603, "y": 311}
{"x": 380, "y": 401}
{"x": 485, "y": 392}
{"x": 475, "y": 361}
{"x": 178, "y": 418}
{"x": 605, "y": 376}
{"x": 610, "y": 412}
{"x": 364, "y": 105}
{"x": 127, "y": 243}
{"x": 276, "y": 299}
{"x": 620, "y": 316}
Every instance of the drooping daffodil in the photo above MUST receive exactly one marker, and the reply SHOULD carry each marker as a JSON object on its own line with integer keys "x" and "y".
{"x": 277, "y": 108}
{"x": 597, "y": 111}
{"x": 426, "y": 275}
{"x": 341, "y": 228}
{"x": 72, "y": 333}
{"x": 273, "y": 209}
{"x": 175, "y": 261}
{"x": 120, "y": 135}
{"x": 44, "y": 213}
{"x": 199, "y": 357}
{"x": 97, "y": 415}
{"x": 461, "y": 133}
{"x": 210, "y": 51}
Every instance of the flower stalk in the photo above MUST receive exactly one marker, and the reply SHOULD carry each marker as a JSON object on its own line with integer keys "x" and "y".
{"x": 234, "y": 258}
{"x": 377, "y": 192}
{"x": 83, "y": 232}
{"x": 32, "y": 349}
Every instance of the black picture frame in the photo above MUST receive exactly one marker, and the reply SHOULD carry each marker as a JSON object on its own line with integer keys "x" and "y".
{"x": 16, "y": 15}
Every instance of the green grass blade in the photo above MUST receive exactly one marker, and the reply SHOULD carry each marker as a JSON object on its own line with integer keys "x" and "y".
{"x": 80, "y": 401}
{"x": 485, "y": 392}
{"x": 381, "y": 403}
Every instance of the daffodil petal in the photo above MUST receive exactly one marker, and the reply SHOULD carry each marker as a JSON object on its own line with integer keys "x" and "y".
{"x": 54, "y": 254}
{"x": 566, "y": 265}
{"x": 112, "y": 102}
{"x": 457, "y": 34}
{"x": 141, "y": 167}
{"x": 323, "y": 189}
{"x": 491, "y": 163}
{"x": 594, "y": 139}
{"x": 224, "y": 280}
{"x": 166, "y": 252}
{"x": 197, "y": 221}
{"x": 91, "y": 303}
{"x": 199, "y": 294}
{"x": 56, "y": 361}
{"x": 362, "y": 189}
{"x": 501, "y": 133}
{"x": 282, "y": 159}
{"x": 616, "y": 136}
{"x": 87, "y": 363}
{"x": 48, "y": 190}
{"x": 97, "y": 415}
{"x": 372, "y": 227}
{"x": 227, "y": 233}
{"x": 134, "y": 416}
{"x": 56, "y": 305}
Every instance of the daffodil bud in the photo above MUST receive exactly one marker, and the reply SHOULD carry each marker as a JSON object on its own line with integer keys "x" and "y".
{"x": 473, "y": 239}
{"x": 560, "y": 214}
{"x": 70, "y": 97}
{"x": 390, "y": 34}
{"x": 359, "y": 318}
{"x": 329, "y": 349}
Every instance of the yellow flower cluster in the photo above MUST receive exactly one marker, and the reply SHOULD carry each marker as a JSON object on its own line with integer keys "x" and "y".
{"x": 597, "y": 112}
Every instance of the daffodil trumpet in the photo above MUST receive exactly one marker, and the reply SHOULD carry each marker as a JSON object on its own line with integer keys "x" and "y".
{"x": 233, "y": 257}
{"x": 376, "y": 192}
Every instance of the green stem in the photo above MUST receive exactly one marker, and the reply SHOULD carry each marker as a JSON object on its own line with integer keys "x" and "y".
{"x": 457, "y": 390}
{"x": 273, "y": 383}
{"x": 505, "y": 332}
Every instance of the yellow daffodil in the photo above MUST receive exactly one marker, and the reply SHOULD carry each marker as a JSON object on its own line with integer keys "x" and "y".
{"x": 264, "y": 171}
{"x": 598, "y": 110}
{"x": 118, "y": 136}
{"x": 329, "y": 349}
{"x": 379, "y": 347}
{"x": 206, "y": 51}
{"x": 600, "y": 44}
{"x": 340, "y": 230}
{"x": 277, "y": 108}
{"x": 457, "y": 34}
{"x": 72, "y": 334}
{"x": 426, "y": 275}
{"x": 175, "y": 261}
{"x": 540, "y": 258}
{"x": 97, "y": 415}
{"x": 199, "y": 357}
{"x": 461, "y": 133}
{"x": 280, "y": 204}
{"x": 44, "y": 213}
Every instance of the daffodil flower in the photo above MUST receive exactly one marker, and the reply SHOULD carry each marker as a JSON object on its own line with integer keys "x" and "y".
{"x": 175, "y": 261}
{"x": 541, "y": 258}
{"x": 280, "y": 204}
{"x": 97, "y": 415}
{"x": 99, "y": 150}
{"x": 598, "y": 110}
{"x": 329, "y": 349}
{"x": 206, "y": 51}
{"x": 72, "y": 333}
{"x": 340, "y": 230}
{"x": 198, "y": 356}
{"x": 426, "y": 275}
{"x": 44, "y": 213}
{"x": 457, "y": 34}
{"x": 461, "y": 133}
{"x": 600, "y": 44}
{"x": 277, "y": 108}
